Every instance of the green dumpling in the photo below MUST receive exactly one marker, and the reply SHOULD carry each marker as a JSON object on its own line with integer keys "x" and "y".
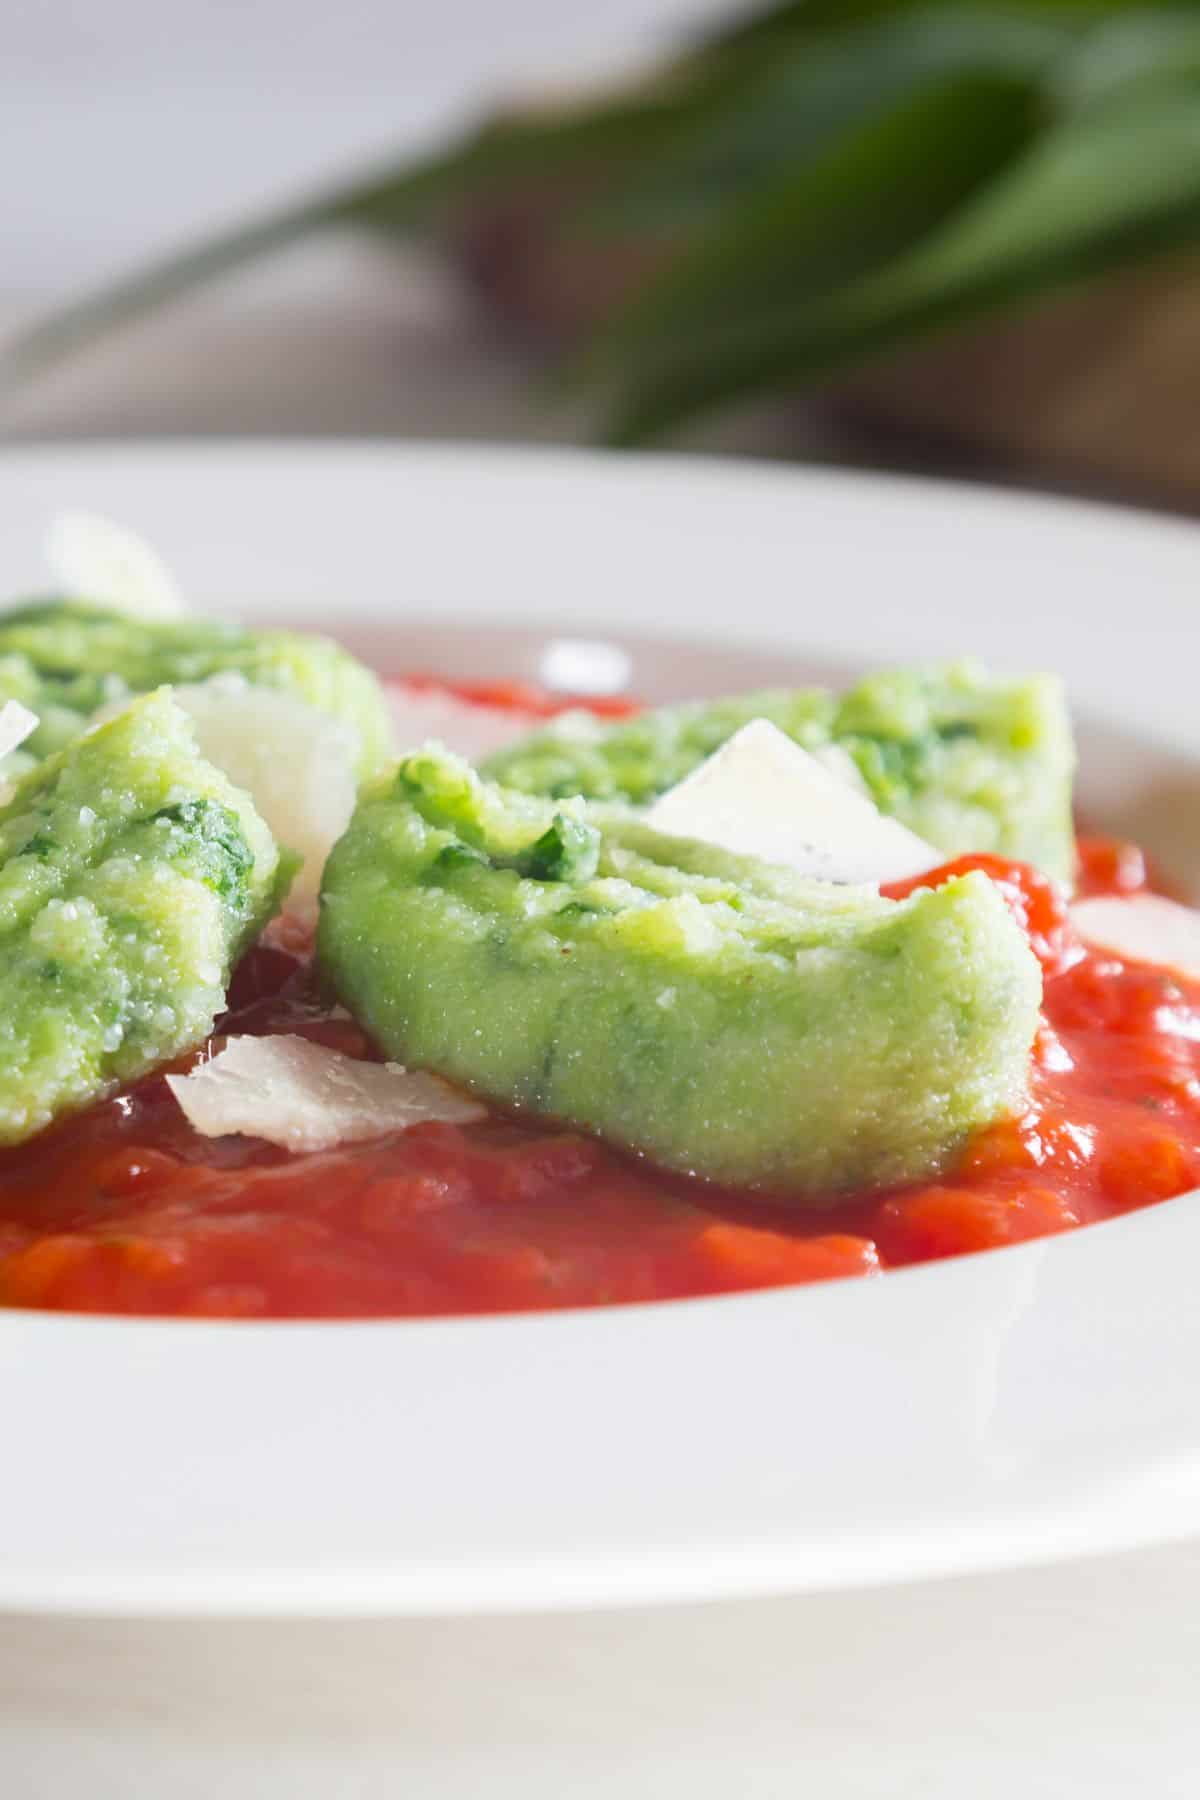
{"x": 967, "y": 760}
{"x": 725, "y": 1017}
{"x": 66, "y": 659}
{"x": 132, "y": 875}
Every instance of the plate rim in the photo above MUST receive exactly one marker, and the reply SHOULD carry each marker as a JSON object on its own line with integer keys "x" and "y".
{"x": 1117, "y": 1514}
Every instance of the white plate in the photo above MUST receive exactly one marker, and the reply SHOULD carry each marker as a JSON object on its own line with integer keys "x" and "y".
{"x": 1000, "y": 1409}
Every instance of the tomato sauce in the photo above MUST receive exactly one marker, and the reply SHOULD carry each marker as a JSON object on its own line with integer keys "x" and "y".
{"x": 124, "y": 1209}
{"x": 518, "y": 696}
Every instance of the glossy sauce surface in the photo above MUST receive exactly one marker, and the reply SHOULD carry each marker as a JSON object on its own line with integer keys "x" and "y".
{"x": 126, "y": 1209}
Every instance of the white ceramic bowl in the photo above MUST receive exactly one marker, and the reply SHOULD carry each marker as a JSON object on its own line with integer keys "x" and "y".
{"x": 994, "y": 1411}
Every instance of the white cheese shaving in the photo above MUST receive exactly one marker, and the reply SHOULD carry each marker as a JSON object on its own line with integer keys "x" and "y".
{"x": 1143, "y": 928}
{"x": 839, "y": 762}
{"x": 762, "y": 795}
{"x": 306, "y": 1097}
{"x": 16, "y": 723}
{"x": 469, "y": 730}
{"x": 296, "y": 763}
{"x": 93, "y": 558}
{"x": 585, "y": 666}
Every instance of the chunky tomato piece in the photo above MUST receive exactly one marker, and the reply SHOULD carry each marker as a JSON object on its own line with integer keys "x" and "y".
{"x": 746, "y": 1256}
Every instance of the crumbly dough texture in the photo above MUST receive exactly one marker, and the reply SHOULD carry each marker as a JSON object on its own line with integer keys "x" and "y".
{"x": 132, "y": 876}
{"x": 968, "y": 760}
{"x": 726, "y": 1017}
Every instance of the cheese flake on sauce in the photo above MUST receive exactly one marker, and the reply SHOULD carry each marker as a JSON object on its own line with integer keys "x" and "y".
{"x": 761, "y": 795}
{"x": 306, "y": 1097}
{"x": 1142, "y": 928}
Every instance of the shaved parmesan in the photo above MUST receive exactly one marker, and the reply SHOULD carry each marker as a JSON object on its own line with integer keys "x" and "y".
{"x": 469, "y": 730}
{"x": 296, "y": 763}
{"x": 16, "y": 723}
{"x": 305, "y": 1097}
{"x": 839, "y": 762}
{"x": 1143, "y": 928}
{"x": 585, "y": 666}
{"x": 92, "y": 558}
{"x": 762, "y": 795}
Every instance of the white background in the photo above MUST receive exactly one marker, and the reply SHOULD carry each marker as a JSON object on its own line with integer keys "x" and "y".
{"x": 130, "y": 126}
{"x": 132, "y": 123}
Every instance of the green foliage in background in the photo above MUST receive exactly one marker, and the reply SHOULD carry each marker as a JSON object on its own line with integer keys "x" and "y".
{"x": 821, "y": 183}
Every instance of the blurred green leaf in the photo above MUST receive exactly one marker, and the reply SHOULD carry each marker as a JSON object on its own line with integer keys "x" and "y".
{"x": 1098, "y": 191}
{"x": 768, "y": 24}
{"x": 810, "y": 93}
{"x": 1124, "y": 53}
{"x": 836, "y": 216}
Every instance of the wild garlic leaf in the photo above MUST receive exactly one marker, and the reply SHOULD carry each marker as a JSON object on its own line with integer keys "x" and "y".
{"x": 825, "y": 222}
{"x": 767, "y": 24}
{"x": 1097, "y": 191}
{"x": 814, "y": 92}
{"x": 1150, "y": 47}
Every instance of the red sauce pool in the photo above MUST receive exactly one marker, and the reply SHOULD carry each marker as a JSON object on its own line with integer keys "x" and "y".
{"x": 124, "y": 1209}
